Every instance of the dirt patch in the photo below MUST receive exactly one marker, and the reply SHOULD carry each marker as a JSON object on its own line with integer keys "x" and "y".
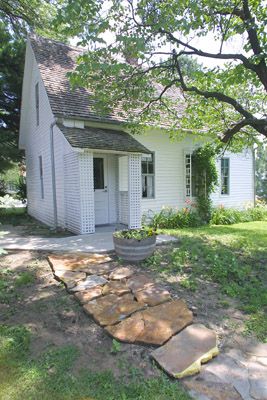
{"x": 55, "y": 318}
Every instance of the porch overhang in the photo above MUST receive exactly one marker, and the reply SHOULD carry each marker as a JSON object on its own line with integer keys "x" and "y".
{"x": 104, "y": 140}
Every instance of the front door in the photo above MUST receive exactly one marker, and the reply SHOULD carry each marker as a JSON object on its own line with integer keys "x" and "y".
{"x": 101, "y": 190}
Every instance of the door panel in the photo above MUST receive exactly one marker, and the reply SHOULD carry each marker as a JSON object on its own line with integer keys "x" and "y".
{"x": 101, "y": 190}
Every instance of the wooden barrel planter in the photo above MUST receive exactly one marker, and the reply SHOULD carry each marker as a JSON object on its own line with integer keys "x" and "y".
{"x": 134, "y": 250}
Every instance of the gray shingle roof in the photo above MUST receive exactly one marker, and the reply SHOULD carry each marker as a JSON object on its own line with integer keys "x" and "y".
{"x": 55, "y": 60}
{"x": 102, "y": 139}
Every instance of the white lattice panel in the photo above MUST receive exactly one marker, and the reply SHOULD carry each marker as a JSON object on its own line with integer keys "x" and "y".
{"x": 72, "y": 192}
{"x": 87, "y": 193}
{"x": 134, "y": 191}
{"x": 123, "y": 207}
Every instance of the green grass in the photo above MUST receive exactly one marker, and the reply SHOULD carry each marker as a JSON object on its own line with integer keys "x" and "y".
{"x": 53, "y": 376}
{"x": 233, "y": 256}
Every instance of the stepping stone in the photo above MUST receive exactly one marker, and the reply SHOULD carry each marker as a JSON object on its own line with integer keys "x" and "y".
{"x": 87, "y": 295}
{"x": 184, "y": 353}
{"x": 153, "y": 295}
{"x": 116, "y": 287}
{"x": 111, "y": 309}
{"x": 70, "y": 278}
{"x": 154, "y": 325}
{"x": 101, "y": 269}
{"x": 121, "y": 273}
{"x": 139, "y": 282}
{"x": 90, "y": 282}
{"x": 212, "y": 391}
{"x": 74, "y": 262}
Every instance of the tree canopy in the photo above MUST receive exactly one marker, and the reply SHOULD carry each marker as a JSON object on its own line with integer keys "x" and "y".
{"x": 17, "y": 18}
{"x": 139, "y": 52}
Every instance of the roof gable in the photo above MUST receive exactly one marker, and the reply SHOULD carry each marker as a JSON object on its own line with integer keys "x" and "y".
{"x": 55, "y": 60}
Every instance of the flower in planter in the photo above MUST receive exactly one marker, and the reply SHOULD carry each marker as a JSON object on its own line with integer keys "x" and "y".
{"x": 137, "y": 234}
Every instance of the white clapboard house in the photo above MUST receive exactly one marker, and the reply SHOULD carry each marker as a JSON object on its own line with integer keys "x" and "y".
{"x": 84, "y": 171}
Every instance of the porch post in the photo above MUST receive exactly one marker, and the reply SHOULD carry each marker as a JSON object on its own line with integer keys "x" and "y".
{"x": 87, "y": 200}
{"x": 134, "y": 191}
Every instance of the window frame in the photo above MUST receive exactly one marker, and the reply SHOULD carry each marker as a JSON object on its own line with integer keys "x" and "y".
{"x": 149, "y": 174}
{"x": 41, "y": 175}
{"x": 37, "y": 103}
{"x": 221, "y": 177}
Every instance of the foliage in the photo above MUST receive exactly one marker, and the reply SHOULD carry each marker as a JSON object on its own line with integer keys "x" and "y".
{"x": 3, "y": 188}
{"x": 116, "y": 347}
{"x": 169, "y": 218}
{"x": 137, "y": 234}
{"x": 232, "y": 256}
{"x": 207, "y": 179}
{"x": 22, "y": 189}
{"x": 12, "y": 64}
{"x": 225, "y": 101}
{"x": 17, "y": 18}
{"x": 229, "y": 216}
{"x": 261, "y": 171}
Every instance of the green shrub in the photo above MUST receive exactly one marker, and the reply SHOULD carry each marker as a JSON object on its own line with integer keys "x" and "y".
{"x": 169, "y": 218}
{"x": 229, "y": 216}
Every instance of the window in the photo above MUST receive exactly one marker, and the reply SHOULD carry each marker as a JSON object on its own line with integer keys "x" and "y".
{"x": 192, "y": 177}
{"x": 148, "y": 176}
{"x": 37, "y": 103}
{"x": 41, "y": 176}
{"x": 99, "y": 173}
{"x": 225, "y": 164}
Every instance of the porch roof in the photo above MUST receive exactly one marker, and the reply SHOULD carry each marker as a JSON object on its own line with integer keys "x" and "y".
{"x": 102, "y": 139}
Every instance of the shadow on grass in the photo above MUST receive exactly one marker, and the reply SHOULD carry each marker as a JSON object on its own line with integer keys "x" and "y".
{"x": 52, "y": 376}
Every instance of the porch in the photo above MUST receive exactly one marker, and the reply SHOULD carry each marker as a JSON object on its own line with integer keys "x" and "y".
{"x": 99, "y": 242}
{"x": 103, "y": 179}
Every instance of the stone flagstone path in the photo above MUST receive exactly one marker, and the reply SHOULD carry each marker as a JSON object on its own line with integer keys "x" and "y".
{"x": 133, "y": 309}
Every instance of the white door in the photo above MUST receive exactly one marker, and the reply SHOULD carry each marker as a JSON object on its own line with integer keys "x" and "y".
{"x": 101, "y": 190}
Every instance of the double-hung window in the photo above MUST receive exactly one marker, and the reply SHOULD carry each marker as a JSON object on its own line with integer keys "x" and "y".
{"x": 148, "y": 176}
{"x": 41, "y": 176}
{"x": 37, "y": 104}
{"x": 192, "y": 178}
{"x": 225, "y": 175}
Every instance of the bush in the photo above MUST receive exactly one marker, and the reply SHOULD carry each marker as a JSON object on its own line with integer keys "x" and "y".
{"x": 169, "y": 218}
{"x": 229, "y": 216}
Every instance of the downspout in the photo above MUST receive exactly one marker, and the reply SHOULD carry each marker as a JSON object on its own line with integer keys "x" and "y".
{"x": 53, "y": 172}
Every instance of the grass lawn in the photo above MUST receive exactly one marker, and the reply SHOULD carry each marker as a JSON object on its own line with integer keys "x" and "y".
{"x": 234, "y": 257}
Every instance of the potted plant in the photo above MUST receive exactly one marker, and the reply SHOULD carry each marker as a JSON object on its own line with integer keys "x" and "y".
{"x": 135, "y": 244}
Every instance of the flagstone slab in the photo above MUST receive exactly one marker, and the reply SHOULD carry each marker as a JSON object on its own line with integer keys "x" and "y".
{"x": 90, "y": 282}
{"x": 87, "y": 295}
{"x": 76, "y": 262}
{"x": 110, "y": 309}
{"x": 121, "y": 273}
{"x": 101, "y": 269}
{"x": 139, "y": 282}
{"x": 154, "y": 325}
{"x": 185, "y": 352}
{"x": 70, "y": 278}
{"x": 212, "y": 391}
{"x": 153, "y": 295}
{"x": 116, "y": 287}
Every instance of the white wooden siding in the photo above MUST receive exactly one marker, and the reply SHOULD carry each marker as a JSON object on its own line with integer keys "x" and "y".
{"x": 36, "y": 142}
{"x": 170, "y": 176}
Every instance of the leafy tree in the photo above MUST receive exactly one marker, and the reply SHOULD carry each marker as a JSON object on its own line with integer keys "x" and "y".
{"x": 11, "y": 73}
{"x": 228, "y": 101}
{"x": 17, "y": 18}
